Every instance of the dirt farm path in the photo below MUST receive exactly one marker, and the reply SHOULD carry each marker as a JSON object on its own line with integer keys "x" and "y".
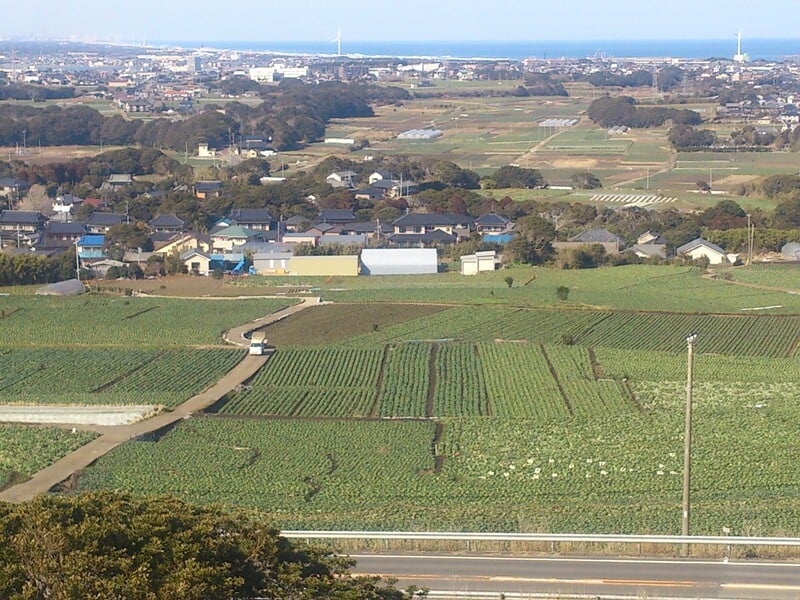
{"x": 111, "y": 437}
{"x": 712, "y": 274}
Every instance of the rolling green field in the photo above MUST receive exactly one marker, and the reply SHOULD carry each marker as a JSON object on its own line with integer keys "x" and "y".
{"x": 632, "y": 287}
{"x": 124, "y": 322}
{"x": 25, "y": 450}
{"x": 444, "y": 402}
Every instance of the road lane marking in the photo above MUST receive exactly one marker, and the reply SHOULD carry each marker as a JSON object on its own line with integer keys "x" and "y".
{"x": 547, "y": 580}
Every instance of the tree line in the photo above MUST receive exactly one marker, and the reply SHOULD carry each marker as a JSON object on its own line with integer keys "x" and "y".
{"x": 291, "y": 114}
{"x": 622, "y": 110}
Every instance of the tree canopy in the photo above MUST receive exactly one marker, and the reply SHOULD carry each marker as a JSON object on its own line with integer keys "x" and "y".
{"x": 112, "y": 545}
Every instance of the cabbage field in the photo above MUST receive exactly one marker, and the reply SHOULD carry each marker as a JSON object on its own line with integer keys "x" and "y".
{"x": 91, "y": 376}
{"x": 25, "y": 450}
{"x": 496, "y": 409}
{"x": 619, "y": 473}
{"x": 43, "y": 321}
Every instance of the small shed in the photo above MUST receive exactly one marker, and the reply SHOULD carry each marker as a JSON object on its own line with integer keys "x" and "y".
{"x": 70, "y": 287}
{"x": 272, "y": 263}
{"x": 399, "y": 261}
{"x": 472, "y": 264}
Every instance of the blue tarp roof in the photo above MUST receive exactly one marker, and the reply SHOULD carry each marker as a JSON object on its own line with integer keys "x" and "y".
{"x": 498, "y": 238}
{"x": 92, "y": 240}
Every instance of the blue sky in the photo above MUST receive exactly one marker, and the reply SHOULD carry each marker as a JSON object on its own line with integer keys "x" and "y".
{"x": 408, "y": 20}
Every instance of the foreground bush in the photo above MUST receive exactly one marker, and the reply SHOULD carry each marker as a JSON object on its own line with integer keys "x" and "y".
{"x": 111, "y": 545}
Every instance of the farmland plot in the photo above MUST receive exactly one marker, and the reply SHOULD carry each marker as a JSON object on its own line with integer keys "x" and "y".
{"x": 406, "y": 379}
{"x": 25, "y": 450}
{"x": 519, "y": 382}
{"x": 460, "y": 390}
{"x": 110, "y": 376}
{"x": 329, "y": 382}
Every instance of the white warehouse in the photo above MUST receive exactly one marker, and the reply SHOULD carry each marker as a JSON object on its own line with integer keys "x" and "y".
{"x": 399, "y": 261}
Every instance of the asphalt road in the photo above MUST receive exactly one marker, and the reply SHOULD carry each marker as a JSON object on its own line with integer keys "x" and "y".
{"x": 480, "y": 577}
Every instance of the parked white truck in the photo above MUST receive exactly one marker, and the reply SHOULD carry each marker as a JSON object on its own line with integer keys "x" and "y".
{"x": 258, "y": 343}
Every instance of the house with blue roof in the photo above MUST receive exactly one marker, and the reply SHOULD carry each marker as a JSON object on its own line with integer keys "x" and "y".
{"x": 92, "y": 247}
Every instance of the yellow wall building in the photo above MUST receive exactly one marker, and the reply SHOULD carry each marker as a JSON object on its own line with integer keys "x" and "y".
{"x": 324, "y": 266}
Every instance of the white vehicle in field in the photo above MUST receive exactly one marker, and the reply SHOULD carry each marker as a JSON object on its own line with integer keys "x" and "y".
{"x": 258, "y": 343}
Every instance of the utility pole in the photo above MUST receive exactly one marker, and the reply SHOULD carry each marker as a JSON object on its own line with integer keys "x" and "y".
{"x": 77, "y": 261}
{"x": 687, "y": 441}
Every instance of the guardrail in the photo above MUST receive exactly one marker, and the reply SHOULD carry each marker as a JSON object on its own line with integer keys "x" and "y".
{"x": 543, "y": 537}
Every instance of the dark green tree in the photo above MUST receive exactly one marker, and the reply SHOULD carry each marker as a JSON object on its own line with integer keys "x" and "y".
{"x": 110, "y": 545}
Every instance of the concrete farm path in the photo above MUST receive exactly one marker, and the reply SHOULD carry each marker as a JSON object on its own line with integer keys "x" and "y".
{"x": 111, "y": 437}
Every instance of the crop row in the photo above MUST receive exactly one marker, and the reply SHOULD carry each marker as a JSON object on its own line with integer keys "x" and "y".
{"x": 769, "y": 336}
{"x": 302, "y": 401}
{"x": 507, "y": 380}
{"x": 736, "y": 335}
{"x": 648, "y": 365}
{"x": 586, "y": 396}
{"x": 326, "y": 367}
{"x": 519, "y": 382}
{"x": 460, "y": 390}
{"x": 406, "y": 379}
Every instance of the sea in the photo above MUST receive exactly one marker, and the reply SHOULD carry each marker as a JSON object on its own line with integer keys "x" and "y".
{"x": 757, "y": 49}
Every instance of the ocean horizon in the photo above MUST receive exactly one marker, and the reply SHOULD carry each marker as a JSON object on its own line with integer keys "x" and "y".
{"x": 757, "y": 49}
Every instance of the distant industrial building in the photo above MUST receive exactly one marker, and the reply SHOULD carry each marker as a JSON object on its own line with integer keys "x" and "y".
{"x": 420, "y": 134}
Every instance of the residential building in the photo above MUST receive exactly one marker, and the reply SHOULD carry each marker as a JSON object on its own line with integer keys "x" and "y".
{"x": 21, "y": 227}
{"x": 232, "y": 237}
{"x": 699, "y": 248}
{"x": 101, "y": 222}
{"x": 335, "y": 216}
{"x": 429, "y": 222}
{"x": 491, "y": 223}
{"x": 207, "y": 189}
{"x": 342, "y": 179}
{"x": 64, "y": 206}
{"x": 91, "y": 246}
{"x": 186, "y": 242}
{"x": 380, "y": 175}
{"x": 167, "y": 224}
{"x": 60, "y": 236}
{"x": 610, "y": 242}
{"x": 11, "y": 187}
{"x": 255, "y": 219}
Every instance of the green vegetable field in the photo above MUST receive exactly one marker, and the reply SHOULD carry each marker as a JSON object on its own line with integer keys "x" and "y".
{"x": 110, "y": 376}
{"x": 25, "y": 450}
{"x": 125, "y": 322}
{"x": 479, "y": 407}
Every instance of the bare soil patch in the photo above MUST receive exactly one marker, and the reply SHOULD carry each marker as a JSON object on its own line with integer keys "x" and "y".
{"x": 336, "y": 322}
{"x": 185, "y": 286}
